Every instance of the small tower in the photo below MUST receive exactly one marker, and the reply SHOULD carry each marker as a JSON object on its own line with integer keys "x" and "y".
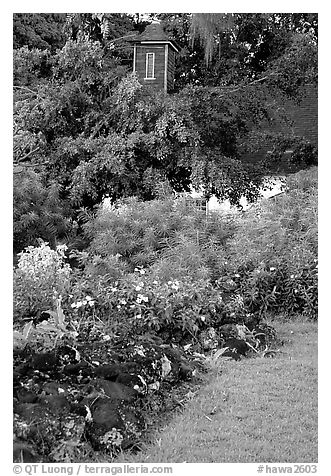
{"x": 154, "y": 58}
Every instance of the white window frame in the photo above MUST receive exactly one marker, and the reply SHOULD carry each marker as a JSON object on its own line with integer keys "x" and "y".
{"x": 147, "y": 64}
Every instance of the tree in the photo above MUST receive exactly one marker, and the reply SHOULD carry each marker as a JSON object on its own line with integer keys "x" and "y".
{"x": 39, "y": 30}
{"x": 83, "y": 122}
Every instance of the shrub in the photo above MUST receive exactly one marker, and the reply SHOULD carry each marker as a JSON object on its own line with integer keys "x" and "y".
{"x": 138, "y": 304}
{"x": 39, "y": 211}
{"x": 40, "y": 275}
{"x": 173, "y": 239}
{"x": 274, "y": 251}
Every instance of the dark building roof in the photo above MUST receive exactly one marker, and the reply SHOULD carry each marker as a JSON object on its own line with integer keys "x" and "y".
{"x": 154, "y": 33}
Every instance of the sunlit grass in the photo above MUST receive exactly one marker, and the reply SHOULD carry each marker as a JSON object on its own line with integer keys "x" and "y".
{"x": 255, "y": 410}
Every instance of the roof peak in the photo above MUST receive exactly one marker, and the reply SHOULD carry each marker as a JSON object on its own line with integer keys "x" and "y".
{"x": 154, "y": 32}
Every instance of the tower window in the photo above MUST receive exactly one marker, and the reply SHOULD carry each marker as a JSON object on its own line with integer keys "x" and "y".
{"x": 150, "y": 60}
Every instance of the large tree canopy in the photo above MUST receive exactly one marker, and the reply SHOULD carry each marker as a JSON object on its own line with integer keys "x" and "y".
{"x": 83, "y": 122}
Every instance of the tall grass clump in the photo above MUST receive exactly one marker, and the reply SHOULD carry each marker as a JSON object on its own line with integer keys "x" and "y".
{"x": 169, "y": 237}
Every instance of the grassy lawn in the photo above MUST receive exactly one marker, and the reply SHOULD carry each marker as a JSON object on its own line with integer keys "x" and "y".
{"x": 254, "y": 410}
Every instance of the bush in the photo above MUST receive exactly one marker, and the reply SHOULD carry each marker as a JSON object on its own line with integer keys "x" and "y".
{"x": 169, "y": 236}
{"x": 138, "y": 304}
{"x": 41, "y": 275}
{"x": 39, "y": 211}
{"x": 274, "y": 252}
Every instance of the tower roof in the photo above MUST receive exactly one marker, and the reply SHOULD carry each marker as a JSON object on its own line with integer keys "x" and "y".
{"x": 154, "y": 33}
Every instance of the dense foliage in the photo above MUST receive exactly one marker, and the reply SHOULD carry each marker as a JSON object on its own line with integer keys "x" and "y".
{"x": 161, "y": 267}
{"x": 88, "y": 127}
{"x": 123, "y": 288}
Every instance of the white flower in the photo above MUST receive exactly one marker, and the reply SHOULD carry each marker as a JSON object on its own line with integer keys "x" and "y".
{"x": 78, "y": 304}
{"x": 84, "y": 302}
{"x": 272, "y": 269}
{"x": 73, "y": 305}
{"x": 292, "y": 276}
{"x": 138, "y": 316}
{"x": 106, "y": 337}
{"x": 237, "y": 275}
{"x": 203, "y": 318}
{"x": 91, "y": 303}
{"x": 88, "y": 298}
{"x": 141, "y": 298}
{"x": 123, "y": 301}
{"x": 61, "y": 247}
{"x": 142, "y": 271}
{"x": 138, "y": 288}
{"x": 136, "y": 270}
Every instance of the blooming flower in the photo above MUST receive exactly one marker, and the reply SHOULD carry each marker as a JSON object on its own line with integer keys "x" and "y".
{"x": 123, "y": 301}
{"x": 91, "y": 303}
{"x": 141, "y": 298}
{"x": 272, "y": 269}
